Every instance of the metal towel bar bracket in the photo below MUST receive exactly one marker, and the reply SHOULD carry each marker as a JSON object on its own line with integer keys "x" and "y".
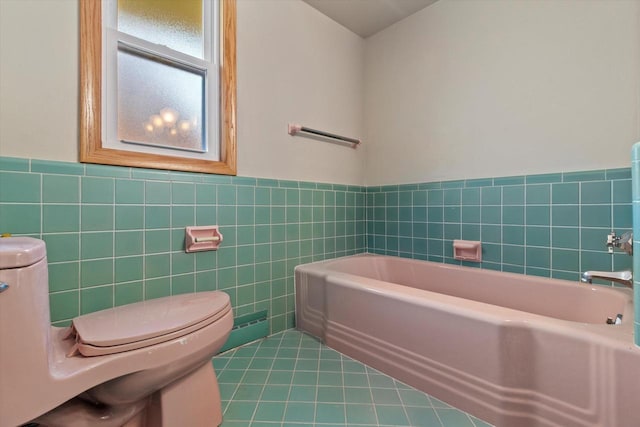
{"x": 294, "y": 129}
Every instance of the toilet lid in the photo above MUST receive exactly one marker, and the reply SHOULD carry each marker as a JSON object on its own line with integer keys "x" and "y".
{"x": 146, "y": 323}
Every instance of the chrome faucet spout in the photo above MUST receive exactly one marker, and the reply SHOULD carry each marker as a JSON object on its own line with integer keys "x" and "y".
{"x": 623, "y": 277}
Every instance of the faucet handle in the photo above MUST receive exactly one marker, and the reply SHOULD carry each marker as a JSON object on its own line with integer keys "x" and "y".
{"x": 624, "y": 242}
{"x": 612, "y": 241}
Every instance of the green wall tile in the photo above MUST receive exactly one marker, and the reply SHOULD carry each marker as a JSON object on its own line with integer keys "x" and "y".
{"x": 96, "y": 218}
{"x": 148, "y": 174}
{"x": 583, "y": 176}
{"x": 62, "y": 247}
{"x": 64, "y": 305}
{"x": 601, "y": 261}
{"x": 156, "y": 241}
{"x": 157, "y": 265}
{"x": 595, "y": 216}
{"x": 128, "y": 243}
{"x": 108, "y": 171}
{"x": 509, "y": 180}
{"x": 538, "y": 194}
{"x": 491, "y": 196}
{"x": 96, "y": 245}
{"x": 60, "y": 189}
{"x": 64, "y": 276}
{"x": 185, "y": 176}
{"x": 453, "y": 184}
{"x": 60, "y": 218}
{"x": 157, "y": 193}
{"x": 157, "y": 217}
{"x": 96, "y": 272}
{"x": 595, "y": 192}
{"x": 14, "y": 164}
{"x": 46, "y": 166}
{"x": 594, "y": 239}
{"x": 513, "y": 235}
{"x": 470, "y": 214}
{"x": 622, "y": 191}
{"x": 537, "y": 215}
{"x": 513, "y": 215}
{"x": 129, "y": 217}
{"x": 469, "y": 196}
{"x": 206, "y": 281}
{"x": 565, "y": 237}
{"x": 490, "y": 215}
{"x": 226, "y": 194}
{"x": 491, "y": 233}
{"x": 183, "y": 193}
{"x": 565, "y": 215}
{"x": 513, "y": 255}
{"x": 513, "y": 195}
{"x": 128, "y": 293}
{"x": 206, "y": 194}
{"x": 129, "y": 192}
{"x": 538, "y": 236}
{"x": 129, "y": 269}
{"x": 95, "y": 299}
{"x": 19, "y": 187}
{"x": 157, "y": 288}
{"x": 565, "y": 193}
{"x": 97, "y": 190}
{"x": 622, "y": 173}
{"x": 206, "y": 260}
{"x": 182, "y": 262}
{"x": 563, "y": 259}
{"x": 479, "y": 182}
{"x": 227, "y": 215}
{"x": 435, "y": 197}
{"x": 183, "y": 216}
{"x": 543, "y": 178}
{"x": 538, "y": 257}
{"x": 182, "y": 284}
{"x": 20, "y": 218}
{"x": 622, "y": 216}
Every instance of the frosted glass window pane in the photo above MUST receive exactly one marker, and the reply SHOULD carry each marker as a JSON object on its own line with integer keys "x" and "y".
{"x": 176, "y": 24}
{"x": 159, "y": 103}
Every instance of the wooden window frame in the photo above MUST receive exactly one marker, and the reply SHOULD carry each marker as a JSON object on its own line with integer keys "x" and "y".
{"x": 91, "y": 148}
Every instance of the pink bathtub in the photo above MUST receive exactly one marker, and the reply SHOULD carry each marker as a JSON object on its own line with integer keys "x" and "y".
{"x": 511, "y": 349}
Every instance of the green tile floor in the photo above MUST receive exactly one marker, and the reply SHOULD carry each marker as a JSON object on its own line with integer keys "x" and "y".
{"x": 291, "y": 379}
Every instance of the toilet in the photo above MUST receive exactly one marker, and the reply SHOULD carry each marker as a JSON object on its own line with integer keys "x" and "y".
{"x": 137, "y": 365}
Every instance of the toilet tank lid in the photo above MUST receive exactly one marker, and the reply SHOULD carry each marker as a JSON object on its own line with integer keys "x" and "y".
{"x": 16, "y": 252}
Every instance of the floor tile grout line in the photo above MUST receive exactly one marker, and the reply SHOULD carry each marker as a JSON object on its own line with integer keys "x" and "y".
{"x": 294, "y": 342}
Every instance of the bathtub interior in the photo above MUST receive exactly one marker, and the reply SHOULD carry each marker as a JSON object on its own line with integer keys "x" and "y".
{"x": 559, "y": 299}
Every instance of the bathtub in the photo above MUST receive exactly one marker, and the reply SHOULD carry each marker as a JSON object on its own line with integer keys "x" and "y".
{"x": 511, "y": 349}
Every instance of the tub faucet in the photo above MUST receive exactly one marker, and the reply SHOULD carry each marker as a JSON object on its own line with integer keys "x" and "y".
{"x": 624, "y": 277}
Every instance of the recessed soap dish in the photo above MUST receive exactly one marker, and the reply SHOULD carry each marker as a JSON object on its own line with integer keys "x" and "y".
{"x": 467, "y": 250}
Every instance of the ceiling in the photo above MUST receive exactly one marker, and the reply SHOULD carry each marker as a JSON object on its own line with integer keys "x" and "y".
{"x": 367, "y": 17}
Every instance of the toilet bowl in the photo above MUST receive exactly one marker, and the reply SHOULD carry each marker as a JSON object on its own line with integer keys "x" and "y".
{"x": 142, "y": 364}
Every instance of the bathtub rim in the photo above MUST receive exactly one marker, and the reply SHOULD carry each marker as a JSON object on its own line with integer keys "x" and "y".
{"x": 617, "y": 335}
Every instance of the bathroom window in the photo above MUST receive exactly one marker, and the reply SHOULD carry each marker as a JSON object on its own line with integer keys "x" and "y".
{"x": 158, "y": 84}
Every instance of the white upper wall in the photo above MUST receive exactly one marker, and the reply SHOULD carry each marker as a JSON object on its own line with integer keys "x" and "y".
{"x": 469, "y": 88}
{"x": 461, "y": 89}
{"x": 294, "y": 65}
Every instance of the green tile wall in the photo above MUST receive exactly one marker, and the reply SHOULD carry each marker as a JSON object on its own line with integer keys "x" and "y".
{"x": 635, "y": 166}
{"x": 551, "y": 225}
{"x": 116, "y": 235}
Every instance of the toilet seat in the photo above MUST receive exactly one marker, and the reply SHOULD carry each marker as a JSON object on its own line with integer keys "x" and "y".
{"x": 145, "y": 323}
